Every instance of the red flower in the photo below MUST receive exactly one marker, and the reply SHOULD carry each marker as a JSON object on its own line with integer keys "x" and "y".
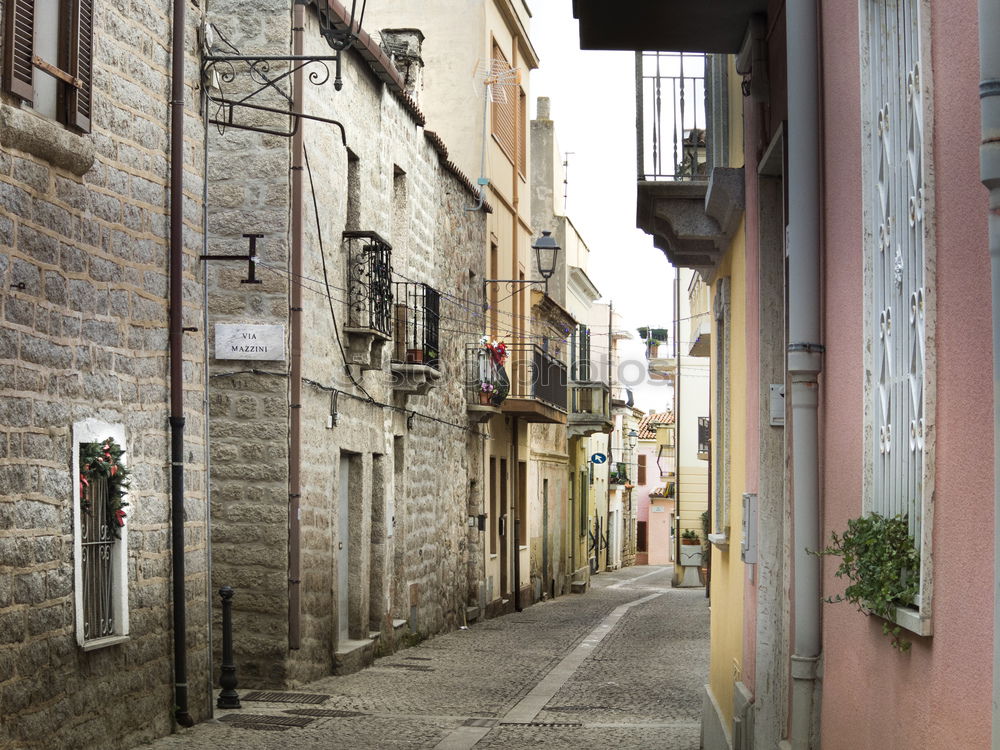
{"x": 120, "y": 517}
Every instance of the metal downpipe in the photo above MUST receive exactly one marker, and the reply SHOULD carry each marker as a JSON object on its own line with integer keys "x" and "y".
{"x": 989, "y": 170}
{"x": 295, "y": 364}
{"x": 804, "y": 354}
{"x": 176, "y": 346}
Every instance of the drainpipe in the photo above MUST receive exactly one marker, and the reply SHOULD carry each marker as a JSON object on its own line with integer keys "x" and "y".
{"x": 804, "y": 354}
{"x": 516, "y": 525}
{"x": 176, "y": 335}
{"x": 677, "y": 422}
{"x": 295, "y": 364}
{"x": 989, "y": 171}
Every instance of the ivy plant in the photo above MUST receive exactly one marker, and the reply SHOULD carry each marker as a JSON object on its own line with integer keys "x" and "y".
{"x": 878, "y": 558}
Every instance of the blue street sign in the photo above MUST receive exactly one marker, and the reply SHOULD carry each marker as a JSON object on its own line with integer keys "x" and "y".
{"x": 598, "y": 458}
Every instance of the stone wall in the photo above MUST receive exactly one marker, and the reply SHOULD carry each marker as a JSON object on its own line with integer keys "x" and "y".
{"x": 413, "y": 467}
{"x": 83, "y": 335}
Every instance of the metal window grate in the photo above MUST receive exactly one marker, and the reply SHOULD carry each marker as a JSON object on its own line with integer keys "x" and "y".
{"x": 895, "y": 219}
{"x": 97, "y": 547}
{"x": 417, "y": 324}
{"x": 369, "y": 282}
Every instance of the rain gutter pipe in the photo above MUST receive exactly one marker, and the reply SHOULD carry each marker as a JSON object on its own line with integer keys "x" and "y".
{"x": 176, "y": 346}
{"x": 989, "y": 171}
{"x": 295, "y": 365}
{"x": 804, "y": 354}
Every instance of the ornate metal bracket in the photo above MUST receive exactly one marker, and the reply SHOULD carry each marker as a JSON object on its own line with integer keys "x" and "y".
{"x": 225, "y": 69}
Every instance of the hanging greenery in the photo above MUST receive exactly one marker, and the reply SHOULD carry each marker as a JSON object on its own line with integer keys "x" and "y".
{"x": 104, "y": 459}
{"x": 883, "y": 566}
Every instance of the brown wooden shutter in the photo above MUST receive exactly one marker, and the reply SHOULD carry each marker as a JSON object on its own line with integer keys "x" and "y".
{"x": 641, "y": 478}
{"x": 81, "y": 47}
{"x": 18, "y": 47}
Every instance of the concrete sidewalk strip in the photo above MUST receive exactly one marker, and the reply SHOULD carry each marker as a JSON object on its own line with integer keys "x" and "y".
{"x": 529, "y": 707}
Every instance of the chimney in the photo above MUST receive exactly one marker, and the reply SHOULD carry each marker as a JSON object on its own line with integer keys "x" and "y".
{"x": 403, "y": 48}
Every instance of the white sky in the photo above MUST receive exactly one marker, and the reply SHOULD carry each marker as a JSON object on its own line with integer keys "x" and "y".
{"x": 592, "y": 97}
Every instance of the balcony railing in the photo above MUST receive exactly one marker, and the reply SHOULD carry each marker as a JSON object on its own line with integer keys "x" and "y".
{"x": 369, "y": 282}
{"x": 417, "y": 322}
{"x": 528, "y": 373}
{"x": 537, "y": 374}
{"x": 671, "y": 132}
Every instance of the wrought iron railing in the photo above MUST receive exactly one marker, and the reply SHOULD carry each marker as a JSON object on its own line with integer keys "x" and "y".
{"x": 96, "y": 549}
{"x": 486, "y": 382}
{"x": 369, "y": 282}
{"x": 528, "y": 372}
{"x": 671, "y": 126}
{"x": 417, "y": 324}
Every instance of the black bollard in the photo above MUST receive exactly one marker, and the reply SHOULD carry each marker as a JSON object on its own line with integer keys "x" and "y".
{"x": 228, "y": 698}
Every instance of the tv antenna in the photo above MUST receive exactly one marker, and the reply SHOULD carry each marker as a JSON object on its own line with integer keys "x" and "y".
{"x": 566, "y": 156}
{"x": 493, "y": 76}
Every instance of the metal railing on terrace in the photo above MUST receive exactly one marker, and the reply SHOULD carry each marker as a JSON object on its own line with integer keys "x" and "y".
{"x": 671, "y": 122}
{"x": 417, "y": 324}
{"x": 369, "y": 282}
{"x": 528, "y": 372}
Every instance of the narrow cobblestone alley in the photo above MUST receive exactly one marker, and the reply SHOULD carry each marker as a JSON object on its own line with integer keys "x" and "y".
{"x": 621, "y": 666}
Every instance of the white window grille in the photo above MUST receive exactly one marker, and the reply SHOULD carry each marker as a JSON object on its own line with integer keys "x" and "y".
{"x": 719, "y": 423}
{"x": 100, "y": 557}
{"x": 899, "y": 270}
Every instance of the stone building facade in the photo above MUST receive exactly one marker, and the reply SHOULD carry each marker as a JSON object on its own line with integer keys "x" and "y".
{"x": 390, "y": 468}
{"x": 84, "y": 313}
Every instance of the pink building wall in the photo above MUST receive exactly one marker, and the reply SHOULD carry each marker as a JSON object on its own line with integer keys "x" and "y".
{"x": 938, "y": 694}
{"x": 658, "y": 523}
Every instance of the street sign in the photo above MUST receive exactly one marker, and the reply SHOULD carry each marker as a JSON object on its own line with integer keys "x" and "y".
{"x": 598, "y": 458}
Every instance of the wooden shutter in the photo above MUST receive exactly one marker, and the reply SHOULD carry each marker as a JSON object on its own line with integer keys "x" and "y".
{"x": 81, "y": 47}
{"x": 641, "y": 478}
{"x": 18, "y": 47}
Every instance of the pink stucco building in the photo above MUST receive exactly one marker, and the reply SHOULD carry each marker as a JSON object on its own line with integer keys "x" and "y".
{"x": 654, "y": 492}
{"x": 840, "y": 218}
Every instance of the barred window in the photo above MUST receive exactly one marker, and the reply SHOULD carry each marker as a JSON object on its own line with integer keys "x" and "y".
{"x": 100, "y": 537}
{"x": 47, "y": 57}
{"x": 898, "y": 310}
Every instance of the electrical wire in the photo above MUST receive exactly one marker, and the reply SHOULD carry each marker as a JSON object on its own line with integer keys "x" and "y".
{"x": 326, "y": 278}
{"x": 373, "y": 402}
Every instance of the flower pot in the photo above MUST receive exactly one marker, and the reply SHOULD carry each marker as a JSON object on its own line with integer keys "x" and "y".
{"x": 484, "y": 398}
{"x": 415, "y": 356}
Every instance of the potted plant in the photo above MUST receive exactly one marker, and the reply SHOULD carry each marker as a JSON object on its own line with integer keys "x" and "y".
{"x": 690, "y": 536}
{"x": 414, "y": 356}
{"x": 486, "y": 391}
{"x": 879, "y": 559}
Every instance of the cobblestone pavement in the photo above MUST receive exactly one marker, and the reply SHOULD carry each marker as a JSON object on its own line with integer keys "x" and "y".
{"x": 621, "y": 666}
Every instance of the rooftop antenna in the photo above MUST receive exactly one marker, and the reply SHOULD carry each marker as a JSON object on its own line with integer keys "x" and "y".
{"x": 494, "y": 76}
{"x": 566, "y": 156}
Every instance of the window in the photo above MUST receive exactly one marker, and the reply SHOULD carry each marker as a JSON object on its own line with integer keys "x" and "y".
{"x": 100, "y": 539}
{"x": 899, "y": 252}
{"x": 48, "y": 64}
{"x": 509, "y": 112}
{"x": 641, "y": 472}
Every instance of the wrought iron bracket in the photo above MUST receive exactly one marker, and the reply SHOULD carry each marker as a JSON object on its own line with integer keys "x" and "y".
{"x": 250, "y": 258}
{"x": 510, "y": 285}
{"x": 220, "y": 70}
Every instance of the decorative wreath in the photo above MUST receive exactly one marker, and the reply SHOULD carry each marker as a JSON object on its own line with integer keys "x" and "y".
{"x": 104, "y": 459}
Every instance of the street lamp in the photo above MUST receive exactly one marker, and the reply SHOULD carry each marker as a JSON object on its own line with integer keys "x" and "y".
{"x": 633, "y": 439}
{"x": 546, "y": 252}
